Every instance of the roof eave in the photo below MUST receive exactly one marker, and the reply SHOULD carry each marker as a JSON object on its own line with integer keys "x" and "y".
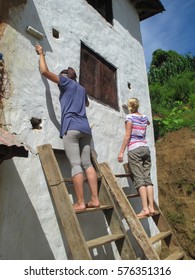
{"x": 148, "y": 8}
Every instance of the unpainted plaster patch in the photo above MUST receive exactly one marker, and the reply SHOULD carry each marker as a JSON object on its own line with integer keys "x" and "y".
{"x": 5, "y": 6}
{"x": 2, "y": 29}
{"x": 5, "y": 85}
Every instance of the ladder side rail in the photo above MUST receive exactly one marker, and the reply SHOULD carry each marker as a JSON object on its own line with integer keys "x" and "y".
{"x": 63, "y": 204}
{"x": 163, "y": 225}
{"x": 128, "y": 213}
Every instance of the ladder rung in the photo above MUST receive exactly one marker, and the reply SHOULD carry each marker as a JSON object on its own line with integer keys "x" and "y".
{"x": 133, "y": 195}
{"x": 175, "y": 256}
{"x": 123, "y": 175}
{"x": 69, "y": 180}
{"x": 102, "y": 207}
{"x": 159, "y": 236}
{"x": 150, "y": 215}
{"x": 103, "y": 240}
{"x": 143, "y": 217}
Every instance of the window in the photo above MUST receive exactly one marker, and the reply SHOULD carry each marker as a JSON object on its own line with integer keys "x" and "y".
{"x": 98, "y": 77}
{"x": 104, "y": 7}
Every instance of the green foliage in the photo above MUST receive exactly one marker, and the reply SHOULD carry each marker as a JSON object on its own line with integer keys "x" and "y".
{"x": 172, "y": 91}
{"x": 166, "y": 64}
{"x": 190, "y": 189}
{"x": 176, "y": 218}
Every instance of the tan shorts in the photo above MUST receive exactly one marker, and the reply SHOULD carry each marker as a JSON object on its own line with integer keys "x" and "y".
{"x": 140, "y": 165}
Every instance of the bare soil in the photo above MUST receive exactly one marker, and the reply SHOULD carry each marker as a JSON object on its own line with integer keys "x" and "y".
{"x": 176, "y": 184}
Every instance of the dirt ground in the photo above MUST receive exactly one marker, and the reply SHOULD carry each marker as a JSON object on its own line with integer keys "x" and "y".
{"x": 176, "y": 183}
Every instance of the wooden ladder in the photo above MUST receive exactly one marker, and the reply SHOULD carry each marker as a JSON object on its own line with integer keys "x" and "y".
{"x": 115, "y": 207}
{"x": 80, "y": 248}
{"x": 172, "y": 250}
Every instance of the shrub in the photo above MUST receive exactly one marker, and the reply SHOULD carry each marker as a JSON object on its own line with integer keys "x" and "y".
{"x": 176, "y": 218}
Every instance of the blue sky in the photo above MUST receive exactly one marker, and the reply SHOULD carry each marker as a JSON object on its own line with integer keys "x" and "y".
{"x": 174, "y": 29}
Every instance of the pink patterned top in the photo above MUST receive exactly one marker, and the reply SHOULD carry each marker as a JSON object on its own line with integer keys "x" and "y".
{"x": 138, "y": 134}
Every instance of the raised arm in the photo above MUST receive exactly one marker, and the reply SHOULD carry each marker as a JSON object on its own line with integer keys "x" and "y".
{"x": 43, "y": 66}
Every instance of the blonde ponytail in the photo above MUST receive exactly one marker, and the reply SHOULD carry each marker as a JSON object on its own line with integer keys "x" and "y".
{"x": 133, "y": 105}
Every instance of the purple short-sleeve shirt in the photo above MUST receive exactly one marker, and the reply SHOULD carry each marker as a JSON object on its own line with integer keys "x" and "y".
{"x": 73, "y": 99}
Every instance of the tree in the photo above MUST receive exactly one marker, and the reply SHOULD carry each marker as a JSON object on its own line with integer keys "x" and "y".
{"x": 172, "y": 91}
{"x": 166, "y": 64}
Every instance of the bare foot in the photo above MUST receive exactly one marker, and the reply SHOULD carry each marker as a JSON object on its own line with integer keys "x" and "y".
{"x": 152, "y": 211}
{"x": 143, "y": 213}
{"x": 79, "y": 207}
{"x": 93, "y": 204}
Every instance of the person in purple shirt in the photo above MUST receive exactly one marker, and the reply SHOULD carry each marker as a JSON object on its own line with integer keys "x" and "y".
{"x": 139, "y": 158}
{"x": 74, "y": 130}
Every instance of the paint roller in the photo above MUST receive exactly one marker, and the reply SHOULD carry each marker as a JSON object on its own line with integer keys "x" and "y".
{"x": 35, "y": 33}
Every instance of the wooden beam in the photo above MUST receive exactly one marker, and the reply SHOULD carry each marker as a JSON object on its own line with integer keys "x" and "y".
{"x": 128, "y": 213}
{"x": 62, "y": 202}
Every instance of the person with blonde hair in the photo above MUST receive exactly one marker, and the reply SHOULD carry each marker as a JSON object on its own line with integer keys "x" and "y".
{"x": 139, "y": 158}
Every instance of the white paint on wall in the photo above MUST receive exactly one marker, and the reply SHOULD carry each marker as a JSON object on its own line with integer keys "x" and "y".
{"x": 27, "y": 215}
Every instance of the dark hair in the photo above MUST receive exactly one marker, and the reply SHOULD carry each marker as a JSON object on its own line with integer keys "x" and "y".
{"x": 70, "y": 72}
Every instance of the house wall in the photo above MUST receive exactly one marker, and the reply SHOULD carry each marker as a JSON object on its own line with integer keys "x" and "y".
{"x": 29, "y": 229}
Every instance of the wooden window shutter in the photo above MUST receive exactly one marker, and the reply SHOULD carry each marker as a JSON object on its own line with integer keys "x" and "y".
{"x": 98, "y": 77}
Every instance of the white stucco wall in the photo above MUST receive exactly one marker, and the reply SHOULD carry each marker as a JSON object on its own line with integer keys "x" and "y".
{"x": 28, "y": 224}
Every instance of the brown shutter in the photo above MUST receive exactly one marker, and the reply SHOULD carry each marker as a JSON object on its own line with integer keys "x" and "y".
{"x": 108, "y": 86}
{"x": 98, "y": 78}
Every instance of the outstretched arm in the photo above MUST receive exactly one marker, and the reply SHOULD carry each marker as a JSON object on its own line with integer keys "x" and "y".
{"x": 128, "y": 129}
{"x": 43, "y": 66}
